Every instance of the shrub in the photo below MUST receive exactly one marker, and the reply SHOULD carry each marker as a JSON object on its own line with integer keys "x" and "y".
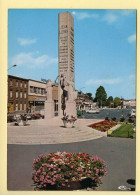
{"x": 130, "y": 120}
{"x": 107, "y": 118}
{"x": 61, "y": 168}
{"x": 122, "y": 119}
{"x": 114, "y": 119}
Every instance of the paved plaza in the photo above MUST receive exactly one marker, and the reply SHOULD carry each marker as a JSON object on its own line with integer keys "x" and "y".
{"x": 52, "y": 131}
{"x": 41, "y": 137}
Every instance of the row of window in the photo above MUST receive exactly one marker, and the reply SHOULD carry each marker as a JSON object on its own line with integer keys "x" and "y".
{"x": 37, "y": 90}
{"x": 19, "y": 83}
{"x": 18, "y": 94}
{"x": 21, "y": 107}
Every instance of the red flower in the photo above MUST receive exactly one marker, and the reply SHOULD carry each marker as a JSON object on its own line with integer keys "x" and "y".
{"x": 57, "y": 157}
{"x": 51, "y": 160}
{"x": 72, "y": 166}
{"x": 68, "y": 155}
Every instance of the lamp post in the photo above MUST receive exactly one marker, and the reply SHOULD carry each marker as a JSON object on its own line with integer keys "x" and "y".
{"x": 12, "y": 66}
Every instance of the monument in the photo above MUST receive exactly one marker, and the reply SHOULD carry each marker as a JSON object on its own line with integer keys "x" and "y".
{"x": 66, "y": 86}
{"x": 66, "y": 74}
{"x": 49, "y": 103}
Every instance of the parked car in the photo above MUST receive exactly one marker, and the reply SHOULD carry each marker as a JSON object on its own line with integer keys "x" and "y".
{"x": 37, "y": 116}
{"x": 10, "y": 118}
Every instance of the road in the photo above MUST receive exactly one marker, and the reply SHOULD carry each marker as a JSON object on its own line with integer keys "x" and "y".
{"x": 118, "y": 153}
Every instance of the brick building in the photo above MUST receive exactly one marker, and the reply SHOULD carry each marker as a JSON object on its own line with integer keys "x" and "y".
{"x": 28, "y": 94}
{"x": 17, "y": 94}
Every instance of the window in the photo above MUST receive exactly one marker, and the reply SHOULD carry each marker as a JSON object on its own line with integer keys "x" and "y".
{"x": 21, "y": 94}
{"x": 16, "y": 94}
{"x": 35, "y": 89}
{"x": 16, "y": 106}
{"x": 41, "y": 91}
{"x": 21, "y": 84}
{"x": 25, "y": 95}
{"x": 55, "y": 105}
{"x": 20, "y": 106}
{"x": 16, "y": 83}
{"x": 25, "y": 84}
{"x": 31, "y": 89}
{"x": 11, "y": 93}
{"x": 11, "y": 82}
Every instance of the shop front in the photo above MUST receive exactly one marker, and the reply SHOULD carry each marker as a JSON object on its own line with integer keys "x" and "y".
{"x": 37, "y": 104}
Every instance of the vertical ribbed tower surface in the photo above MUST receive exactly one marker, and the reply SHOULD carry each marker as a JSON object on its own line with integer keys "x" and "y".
{"x": 66, "y": 61}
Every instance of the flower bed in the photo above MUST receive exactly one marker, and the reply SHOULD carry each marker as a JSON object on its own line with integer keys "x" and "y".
{"x": 103, "y": 125}
{"x": 60, "y": 170}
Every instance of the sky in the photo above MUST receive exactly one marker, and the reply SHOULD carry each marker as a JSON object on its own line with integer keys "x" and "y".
{"x": 104, "y": 46}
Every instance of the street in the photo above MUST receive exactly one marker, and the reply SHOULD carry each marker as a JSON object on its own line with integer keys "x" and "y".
{"x": 118, "y": 153}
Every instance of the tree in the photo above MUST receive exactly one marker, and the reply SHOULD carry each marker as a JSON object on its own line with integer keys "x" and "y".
{"x": 101, "y": 96}
{"x": 89, "y": 95}
{"x": 109, "y": 101}
{"x": 117, "y": 102}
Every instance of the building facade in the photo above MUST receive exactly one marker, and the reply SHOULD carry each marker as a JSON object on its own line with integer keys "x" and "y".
{"x": 129, "y": 104}
{"x": 84, "y": 103}
{"x": 17, "y": 94}
{"x": 27, "y": 95}
{"x": 36, "y": 95}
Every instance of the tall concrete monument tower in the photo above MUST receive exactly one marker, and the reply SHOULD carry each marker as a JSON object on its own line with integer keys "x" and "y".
{"x": 66, "y": 64}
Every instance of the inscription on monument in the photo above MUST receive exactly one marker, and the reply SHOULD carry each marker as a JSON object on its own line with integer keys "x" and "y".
{"x": 66, "y": 51}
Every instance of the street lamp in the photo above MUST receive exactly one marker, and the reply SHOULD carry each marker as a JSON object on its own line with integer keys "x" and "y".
{"x": 12, "y": 66}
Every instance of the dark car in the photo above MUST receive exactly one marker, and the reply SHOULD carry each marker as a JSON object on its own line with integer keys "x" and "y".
{"x": 10, "y": 118}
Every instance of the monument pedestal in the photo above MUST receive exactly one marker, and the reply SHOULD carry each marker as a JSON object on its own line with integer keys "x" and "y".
{"x": 71, "y": 108}
{"x": 49, "y": 109}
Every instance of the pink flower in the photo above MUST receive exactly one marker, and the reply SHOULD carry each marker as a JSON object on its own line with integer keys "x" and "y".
{"x": 73, "y": 179}
{"x": 63, "y": 184}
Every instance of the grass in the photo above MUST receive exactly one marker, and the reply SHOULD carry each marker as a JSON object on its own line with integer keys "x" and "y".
{"x": 125, "y": 131}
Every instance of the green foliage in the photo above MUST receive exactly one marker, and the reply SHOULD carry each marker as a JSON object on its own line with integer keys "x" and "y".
{"x": 89, "y": 95}
{"x": 109, "y": 101}
{"x": 117, "y": 102}
{"x": 101, "y": 96}
{"x": 126, "y": 130}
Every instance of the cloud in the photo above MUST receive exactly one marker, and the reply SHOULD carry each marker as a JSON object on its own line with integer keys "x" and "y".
{"x": 132, "y": 38}
{"x": 110, "y": 18}
{"x": 132, "y": 76}
{"x": 31, "y": 60}
{"x": 103, "y": 81}
{"x": 127, "y": 12}
{"x": 84, "y": 15}
{"x": 24, "y": 42}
